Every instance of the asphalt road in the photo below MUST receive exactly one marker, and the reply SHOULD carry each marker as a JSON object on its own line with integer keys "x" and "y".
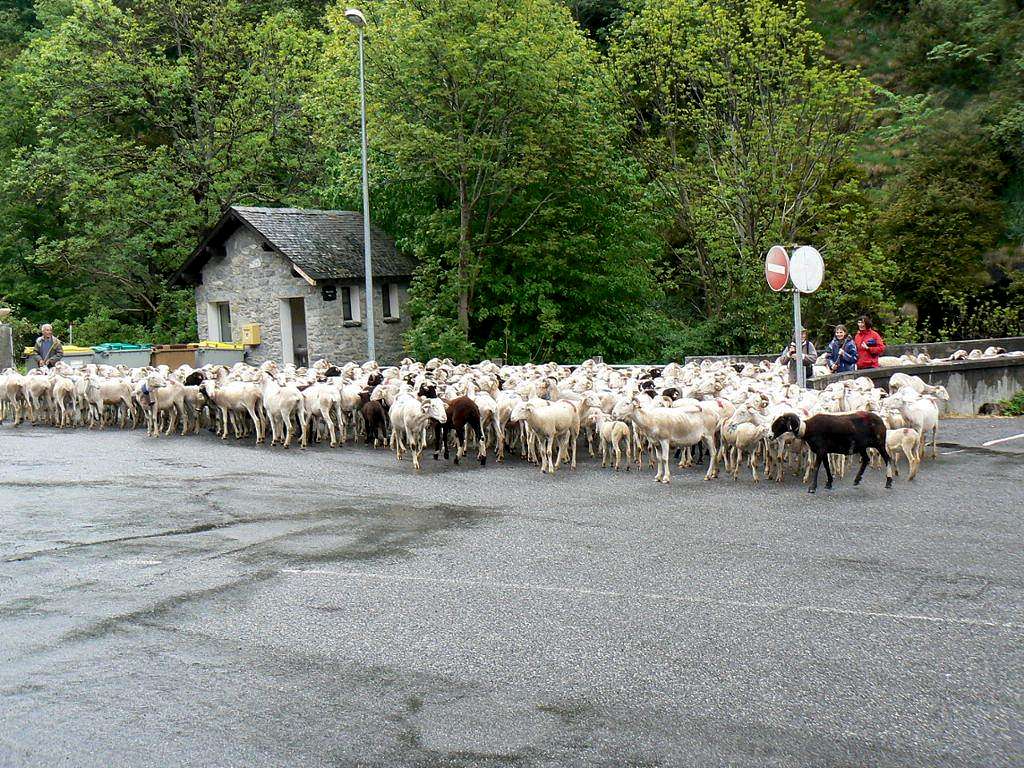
{"x": 183, "y": 602}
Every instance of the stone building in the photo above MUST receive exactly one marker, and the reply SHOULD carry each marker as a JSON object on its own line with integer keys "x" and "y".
{"x": 298, "y": 275}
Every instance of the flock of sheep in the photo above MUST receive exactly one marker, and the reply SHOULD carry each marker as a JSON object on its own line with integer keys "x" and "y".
{"x": 632, "y": 416}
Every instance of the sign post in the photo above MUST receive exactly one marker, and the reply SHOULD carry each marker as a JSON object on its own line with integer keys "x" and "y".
{"x": 806, "y": 269}
{"x": 798, "y": 339}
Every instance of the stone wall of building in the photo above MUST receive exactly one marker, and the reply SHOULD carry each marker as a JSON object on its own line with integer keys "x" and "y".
{"x": 254, "y": 281}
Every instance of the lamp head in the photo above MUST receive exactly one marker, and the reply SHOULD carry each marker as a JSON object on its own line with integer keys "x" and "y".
{"x": 355, "y": 16}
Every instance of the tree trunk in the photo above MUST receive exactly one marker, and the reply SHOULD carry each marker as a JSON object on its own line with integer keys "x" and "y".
{"x": 465, "y": 254}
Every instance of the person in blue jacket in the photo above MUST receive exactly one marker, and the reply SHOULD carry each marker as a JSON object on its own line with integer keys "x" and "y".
{"x": 842, "y": 352}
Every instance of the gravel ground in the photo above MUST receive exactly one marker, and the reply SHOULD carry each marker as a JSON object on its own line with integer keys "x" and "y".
{"x": 188, "y": 602}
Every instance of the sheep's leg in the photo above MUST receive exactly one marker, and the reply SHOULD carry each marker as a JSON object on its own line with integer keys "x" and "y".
{"x": 414, "y": 448}
{"x": 864, "y": 461}
{"x": 561, "y": 450}
{"x": 666, "y": 461}
{"x": 303, "y": 426}
{"x": 828, "y": 473}
{"x": 575, "y": 437}
{"x": 331, "y": 429}
{"x": 913, "y": 460}
{"x": 817, "y": 466}
{"x": 712, "y": 472}
{"x": 288, "y": 429}
{"x": 935, "y": 441}
{"x": 547, "y": 456}
{"x": 888, "y": 465}
{"x": 481, "y": 453}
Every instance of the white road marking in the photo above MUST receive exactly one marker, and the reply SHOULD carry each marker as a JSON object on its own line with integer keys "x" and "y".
{"x": 950, "y": 453}
{"x": 823, "y": 609}
{"x": 1003, "y": 440}
{"x": 140, "y": 562}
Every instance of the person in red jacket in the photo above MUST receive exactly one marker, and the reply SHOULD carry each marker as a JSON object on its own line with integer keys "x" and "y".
{"x": 869, "y": 343}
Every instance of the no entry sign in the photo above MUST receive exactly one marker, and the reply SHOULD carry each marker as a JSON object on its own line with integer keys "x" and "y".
{"x": 776, "y": 268}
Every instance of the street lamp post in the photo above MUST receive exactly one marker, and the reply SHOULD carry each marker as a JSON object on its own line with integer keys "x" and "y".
{"x": 356, "y": 18}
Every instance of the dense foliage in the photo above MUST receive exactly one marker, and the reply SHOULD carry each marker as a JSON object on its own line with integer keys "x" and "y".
{"x": 596, "y": 177}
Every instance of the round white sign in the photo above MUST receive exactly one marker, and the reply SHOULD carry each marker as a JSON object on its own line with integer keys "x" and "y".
{"x": 806, "y": 269}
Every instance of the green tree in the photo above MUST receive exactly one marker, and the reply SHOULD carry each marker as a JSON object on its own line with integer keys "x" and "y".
{"x": 745, "y": 126}
{"x": 494, "y": 119}
{"x": 139, "y": 124}
{"x": 942, "y": 213}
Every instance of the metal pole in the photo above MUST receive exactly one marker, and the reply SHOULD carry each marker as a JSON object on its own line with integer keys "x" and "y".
{"x": 801, "y": 379}
{"x": 371, "y": 350}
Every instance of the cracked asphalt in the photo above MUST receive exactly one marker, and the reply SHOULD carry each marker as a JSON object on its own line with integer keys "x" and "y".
{"x": 187, "y": 602}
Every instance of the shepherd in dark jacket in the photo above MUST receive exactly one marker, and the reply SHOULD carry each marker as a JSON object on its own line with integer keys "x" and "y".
{"x": 788, "y": 357}
{"x": 48, "y": 350}
{"x": 842, "y": 352}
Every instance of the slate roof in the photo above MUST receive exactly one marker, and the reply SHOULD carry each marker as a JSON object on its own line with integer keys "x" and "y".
{"x": 325, "y": 245}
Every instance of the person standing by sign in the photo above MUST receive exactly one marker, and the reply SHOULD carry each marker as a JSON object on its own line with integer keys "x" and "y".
{"x": 869, "y": 343}
{"x": 788, "y": 357}
{"x": 48, "y": 349}
{"x": 842, "y": 352}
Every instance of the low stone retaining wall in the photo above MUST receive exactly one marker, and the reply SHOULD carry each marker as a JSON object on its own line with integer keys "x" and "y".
{"x": 934, "y": 349}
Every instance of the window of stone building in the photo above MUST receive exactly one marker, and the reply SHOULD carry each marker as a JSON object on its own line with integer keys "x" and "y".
{"x": 389, "y": 300}
{"x": 218, "y": 317}
{"x": 350, "y": 303}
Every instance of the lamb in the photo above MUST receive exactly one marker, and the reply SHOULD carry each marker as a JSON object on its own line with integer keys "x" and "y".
{"x": 907, "y": 441}
{"x": 324, "y": 401}
{"x": 164, "y": 395}
{"x": 63, "y": 394}
{"x": 612, "y": 434}
{"x": 235, "y": 397}
{"x": 463, "y": 418}
{"x": 36, "y": 387}
{"x": 550, "y": 421}
{"x": 921, "y": 412}
{"x": 409, "y": 420}
{"x": 12, "y": 396}
{"x": 746, "y": 432}
{"x": 284, "y": 404}
{"x": 116, "y": 393}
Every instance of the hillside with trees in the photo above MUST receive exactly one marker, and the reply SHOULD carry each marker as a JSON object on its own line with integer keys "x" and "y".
{"x": 598, "y": 177}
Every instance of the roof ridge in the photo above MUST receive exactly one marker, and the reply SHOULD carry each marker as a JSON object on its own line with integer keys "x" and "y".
{"x": 292, "y": 210}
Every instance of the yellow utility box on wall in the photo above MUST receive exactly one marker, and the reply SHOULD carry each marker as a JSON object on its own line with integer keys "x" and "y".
{"x": 251, "y": 334}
